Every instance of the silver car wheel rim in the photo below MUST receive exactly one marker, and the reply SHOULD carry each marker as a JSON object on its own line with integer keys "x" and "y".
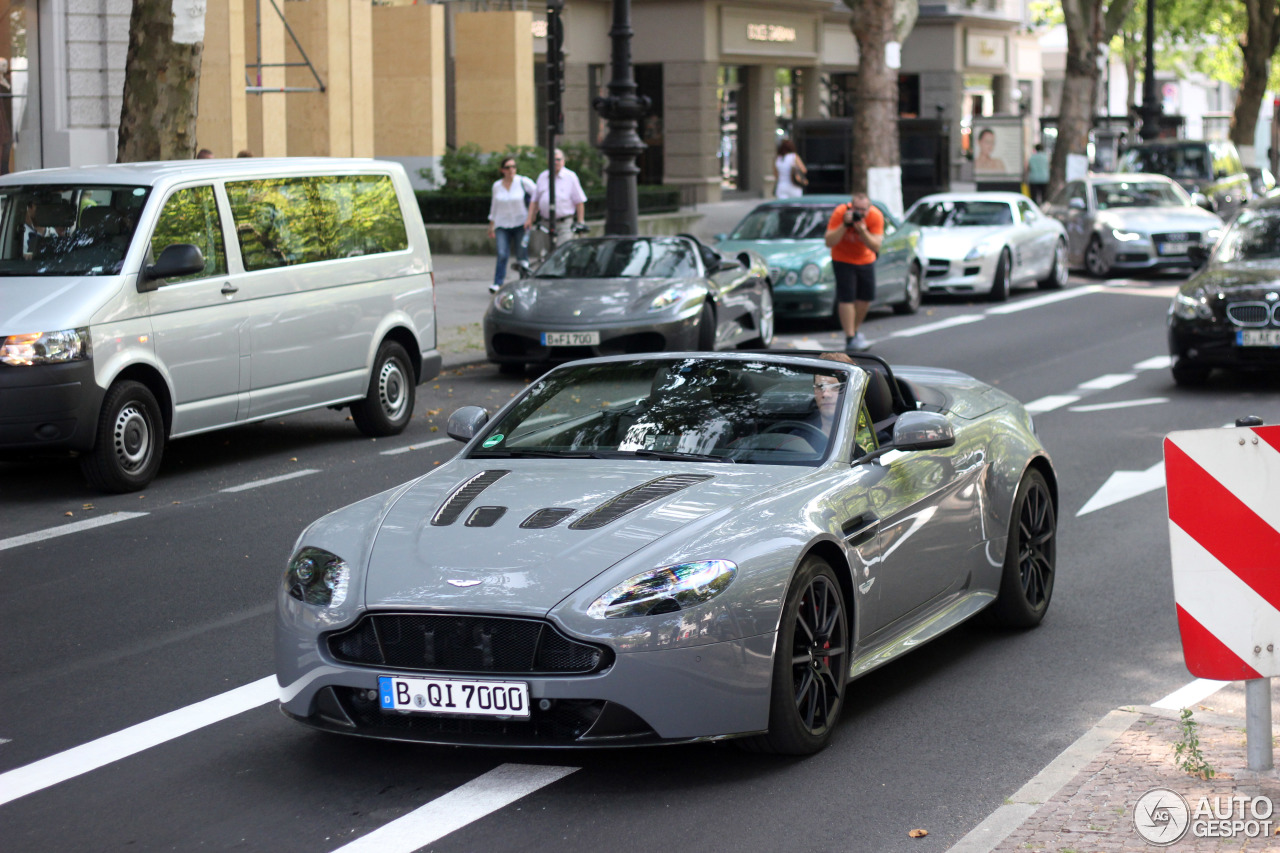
{"x": 766, "y": 317}
{"x": 131, "y": 437}
{"x": 1060, "y": 265}
{"x": 392, "y": 389}
{"x": 1093, "y": 258}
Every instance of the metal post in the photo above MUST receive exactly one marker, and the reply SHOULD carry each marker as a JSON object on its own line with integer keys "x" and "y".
{"x": 1257, "y": 727}
{"x": 555, "y": 107}
{"x": 1150, "y": 97}
{"x": 622, "y": 108}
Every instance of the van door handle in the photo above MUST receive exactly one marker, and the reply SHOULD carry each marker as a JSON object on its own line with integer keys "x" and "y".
{"x": 860, "y": 528}
{"x": 229, "y": 288}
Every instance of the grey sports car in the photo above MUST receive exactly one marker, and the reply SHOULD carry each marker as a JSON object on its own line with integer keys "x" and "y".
{"x": 618, "y": 295}
{"x": 670, "y": 548}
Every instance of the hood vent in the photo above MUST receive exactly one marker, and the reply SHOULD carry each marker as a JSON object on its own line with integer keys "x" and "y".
{"x": 485, "y": 516}
{"x": 545, "y": 518}
{"x": 633, "y": 499}
{"x": 463, "y": 495}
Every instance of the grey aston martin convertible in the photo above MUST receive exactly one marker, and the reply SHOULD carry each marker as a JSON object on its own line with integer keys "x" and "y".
{"x": 666, "y": 548}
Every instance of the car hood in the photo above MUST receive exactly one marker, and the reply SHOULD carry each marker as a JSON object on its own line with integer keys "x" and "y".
{"x": 1156, "y": 220}
{"x": 589, "y": 300}
{"x": 788, "y": 254}
{"x": 52, "y": 303}
{"x": 956, "y": 241}
{"x": 511, "y": 568}
{"x": 1242, "y": 280}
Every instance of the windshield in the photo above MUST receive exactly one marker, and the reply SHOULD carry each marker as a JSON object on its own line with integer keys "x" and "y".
{"x": 628, "y": 257}
{"x": 960, "y": 213}
{"x": 807, "y": 222}
{"x": 1254, "y": 235}
{"x": 1134, "y": 194}
{"x": 1176, "y": 161}
{"x": 700, "y": 409}
{"x": 49, "y": 229}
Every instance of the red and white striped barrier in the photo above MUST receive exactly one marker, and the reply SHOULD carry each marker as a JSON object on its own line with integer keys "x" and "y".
{"x": 1224, "y": 536}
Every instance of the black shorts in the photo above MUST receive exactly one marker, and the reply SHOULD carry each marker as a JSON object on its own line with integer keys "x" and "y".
{"x": 854, "y": 282}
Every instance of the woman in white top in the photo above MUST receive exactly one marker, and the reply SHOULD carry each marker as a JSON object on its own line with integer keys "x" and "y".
{"x": 787, "y": 162}
{"x": 507, "y": 212}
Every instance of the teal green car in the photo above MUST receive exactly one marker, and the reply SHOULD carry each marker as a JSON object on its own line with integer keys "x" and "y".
{"x": 788, "y": 233}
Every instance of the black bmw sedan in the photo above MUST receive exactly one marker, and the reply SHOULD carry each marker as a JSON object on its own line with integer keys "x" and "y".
{"x": 1228, "y": 314}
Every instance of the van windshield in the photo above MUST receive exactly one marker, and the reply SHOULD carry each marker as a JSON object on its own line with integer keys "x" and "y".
{"x": 1177, "y": 161}
{"x": 52, "y": 229}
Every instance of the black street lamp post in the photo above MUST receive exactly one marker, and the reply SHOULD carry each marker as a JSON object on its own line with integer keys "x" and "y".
{"x": 1150, "y": 110}
{"x": 622, "y": 108}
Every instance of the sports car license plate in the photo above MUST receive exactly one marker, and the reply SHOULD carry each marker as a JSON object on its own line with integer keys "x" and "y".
{"x": 570, "y": 339}
{"x": 454, "y": 696}
{"x": 1174, "y": 248}
{"x": 1258, "y": 338}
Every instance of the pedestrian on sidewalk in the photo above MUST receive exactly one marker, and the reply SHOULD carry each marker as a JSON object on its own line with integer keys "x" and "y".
{"x": 571, "y": 202}
{"x": 1038, "y": 173}
{"x": 789, "y": 172}
{"x": 854, "y": 235}
{"x": 512, "y": 194}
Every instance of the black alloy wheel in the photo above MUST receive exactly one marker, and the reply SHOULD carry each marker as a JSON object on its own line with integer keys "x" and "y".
{"x": 1026, "y": 584}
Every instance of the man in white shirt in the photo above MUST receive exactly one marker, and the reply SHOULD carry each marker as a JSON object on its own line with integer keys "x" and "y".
{"x": 570, "y": 201}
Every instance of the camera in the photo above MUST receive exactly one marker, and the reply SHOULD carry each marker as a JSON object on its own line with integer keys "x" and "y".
{"x": 852, "y": 216}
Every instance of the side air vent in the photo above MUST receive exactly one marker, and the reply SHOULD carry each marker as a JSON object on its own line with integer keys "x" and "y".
{"x": 485, "y": 516}
{"x": 633, "y": 499}
{"x": 544, "y": 518}
{"x": 463, "y": 495}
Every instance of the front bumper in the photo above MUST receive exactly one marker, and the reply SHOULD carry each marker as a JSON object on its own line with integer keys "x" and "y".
{"x": 49, "y": 406}
{"x": 1213, "y": 344}
{"x": 513, "y": 341}
{"x": 804, "y": 302}
{"x": 949, "y": 275}
{"x": 1148, "y": 252}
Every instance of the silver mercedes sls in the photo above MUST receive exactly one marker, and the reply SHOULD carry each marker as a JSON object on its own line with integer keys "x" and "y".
{"x": 670, "y": 548}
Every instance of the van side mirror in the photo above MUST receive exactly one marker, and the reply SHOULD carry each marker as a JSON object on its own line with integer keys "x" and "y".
{"x": 176, "y": 260}
{"x": 1076, "y": 203}
{"x": 464, "y": 423}
{"x": 1201, "y": 200}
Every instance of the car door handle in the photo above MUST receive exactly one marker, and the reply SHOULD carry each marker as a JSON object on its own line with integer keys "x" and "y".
{"x": 860, "y": 528}
{"x": 229, "y": 288}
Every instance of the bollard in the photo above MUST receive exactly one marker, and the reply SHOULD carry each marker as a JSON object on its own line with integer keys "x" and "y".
{"x": 1257, "y": 723}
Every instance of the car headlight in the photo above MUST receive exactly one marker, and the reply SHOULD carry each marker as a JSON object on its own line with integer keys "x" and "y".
{"x": 978, "y": 251}
{"x": 317, "y": 577}
{"x": 1125, "y": 236}
{"x": 1211, "y": 236}
{"x": 790, "y": 277}
{"x": 810, "y": 273}
{"x": 46, "y": 347}
{"x": 505, "y": 300}
{"x": 1192, "y": 306}
{"x": 665, "y": 590}
{"x": 666, "y": 298}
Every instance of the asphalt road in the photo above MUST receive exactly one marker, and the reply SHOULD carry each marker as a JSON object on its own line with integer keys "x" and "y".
{"x": 167, "y": 603}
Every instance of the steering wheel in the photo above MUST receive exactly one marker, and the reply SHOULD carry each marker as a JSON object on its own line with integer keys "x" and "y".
{"x": 809, "y": 431}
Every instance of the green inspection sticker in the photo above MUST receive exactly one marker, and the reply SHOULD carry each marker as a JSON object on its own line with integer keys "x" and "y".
{"x": 492, "y": 440}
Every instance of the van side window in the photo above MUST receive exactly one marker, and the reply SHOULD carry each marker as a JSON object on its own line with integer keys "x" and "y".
{"x": 191, "y": 216}
{"x": 289, "y": 221}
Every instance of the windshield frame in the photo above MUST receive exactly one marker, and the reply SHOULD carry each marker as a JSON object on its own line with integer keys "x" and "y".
{"x": 555, "y": 265}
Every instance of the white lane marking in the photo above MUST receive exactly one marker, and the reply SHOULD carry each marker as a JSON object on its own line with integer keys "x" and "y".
{"x": 1039, "y": 301}
{"x": 400, "y": 450}
{"x": 1122, "y": 404}
{"x": 64, "y": 529}
{"x": 958, "y": 320}
{"x": 1108, "y": 381}
{"x": 1123, "y": 485}
{"x": 1190, "y": 694}
{"x": 97, "y": 753}
{"x": 257, "y": 484}
{"x": 1159, "y": 362}
{"x": 481, "y": 796}
{"x": 1048, "y": 404}
{"x": 4, "y": 740}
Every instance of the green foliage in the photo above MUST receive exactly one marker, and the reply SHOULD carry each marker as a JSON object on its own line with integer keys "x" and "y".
{"x": 470, "y": 171}
{"x": 1186, "y": 752}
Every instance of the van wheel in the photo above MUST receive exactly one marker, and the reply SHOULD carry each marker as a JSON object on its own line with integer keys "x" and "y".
{"x": 388, "y": 406}
{"x": 130, "y": 440}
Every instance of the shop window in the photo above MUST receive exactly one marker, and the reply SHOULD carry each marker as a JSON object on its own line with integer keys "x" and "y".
{"x": 909, "y": 95}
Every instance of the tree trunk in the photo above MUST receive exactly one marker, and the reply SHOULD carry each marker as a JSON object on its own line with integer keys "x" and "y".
{"x": 1257, "y": 46}
{"x": 875, "y": 113}
{"x": 162, "y": 81}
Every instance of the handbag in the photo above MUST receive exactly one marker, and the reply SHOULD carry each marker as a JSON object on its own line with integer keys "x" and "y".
{"x": 798, "y": 177}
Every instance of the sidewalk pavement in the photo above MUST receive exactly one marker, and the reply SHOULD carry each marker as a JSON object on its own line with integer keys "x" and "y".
{"x": 462, "y": 285}
{"x": 1085, "y": 800}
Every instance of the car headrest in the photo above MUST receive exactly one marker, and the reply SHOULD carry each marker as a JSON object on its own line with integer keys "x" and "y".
{"x": 102, "y": 220}
{"x": 55, "y": 213}
{"x": 879, "y": 396}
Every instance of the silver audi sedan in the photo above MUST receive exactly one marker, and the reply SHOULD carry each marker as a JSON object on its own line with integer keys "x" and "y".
{"x": 1133, "y": 222}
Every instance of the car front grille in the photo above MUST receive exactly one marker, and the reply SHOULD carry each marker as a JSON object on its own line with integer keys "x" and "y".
{"x": 429, "y": 642}
{"x": 1177, "y": 237}
{"x": 1252, "y": 314}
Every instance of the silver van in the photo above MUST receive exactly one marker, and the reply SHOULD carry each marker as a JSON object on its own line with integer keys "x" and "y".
{"x": 148, "y": 301}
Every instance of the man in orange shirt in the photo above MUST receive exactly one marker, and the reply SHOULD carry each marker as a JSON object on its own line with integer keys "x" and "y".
{"x": 854, "y": 235}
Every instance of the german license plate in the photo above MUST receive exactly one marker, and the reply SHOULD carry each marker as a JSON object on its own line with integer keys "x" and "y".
{"x": 1258, "y": 338}
{"x": 570, "y": 339}
{"x": 1174, "y": 248}
{"x": 454, "y": 696}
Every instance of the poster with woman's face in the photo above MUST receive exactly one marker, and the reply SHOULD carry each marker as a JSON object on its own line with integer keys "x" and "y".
{"x": 997, "y": 149}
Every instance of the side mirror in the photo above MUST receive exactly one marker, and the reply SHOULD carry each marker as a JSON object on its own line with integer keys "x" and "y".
{"x": 176, "y": 260}
{"x": 915, "y": 431}
{"x": 466, "y": 422}
{"x": 720, "y": 238}
{"x": 1201, "y": 200}
{"x": 1198, "y": 254}
{"x": 1076, "y": 204}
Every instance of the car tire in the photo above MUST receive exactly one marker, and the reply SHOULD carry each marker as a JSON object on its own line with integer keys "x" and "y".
{"x": 388, "y": 405}
{"x": 1000, "y": 283}
{"x": 1095, "y": 259}
{"x": 914, "y": 294}
{"x": 1026, "y": 582}
{"x": 765, "y": 323}
{"x": 1057, "y": 278}
{"x": 130, "y": 440}
{"x": 707, "y": 327}
{"x": 806, "y": 697}
{"x": 511, "y": 368}
{"x": 1190, "y": 375}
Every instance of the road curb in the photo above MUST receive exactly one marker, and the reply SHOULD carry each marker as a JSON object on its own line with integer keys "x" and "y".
{"x": 1028, "y": 799}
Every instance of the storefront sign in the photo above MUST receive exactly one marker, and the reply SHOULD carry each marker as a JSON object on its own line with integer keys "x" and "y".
{"x": 540, "y": 29}
{"x": 985, "y": 49}
{"x": 757, "y": 32}
{"x": 770, "y": 32}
